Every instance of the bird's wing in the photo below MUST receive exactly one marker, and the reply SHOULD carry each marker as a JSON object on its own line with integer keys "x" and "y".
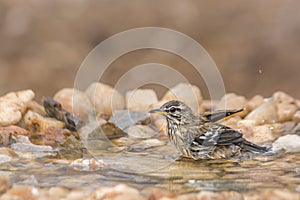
{"x": 218, "y": 134}
{"x": 219, "y": 114}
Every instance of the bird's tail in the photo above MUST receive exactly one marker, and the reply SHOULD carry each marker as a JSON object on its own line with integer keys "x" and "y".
{"x": 253, "y": 147}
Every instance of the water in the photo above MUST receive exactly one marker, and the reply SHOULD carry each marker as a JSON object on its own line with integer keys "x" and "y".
{"x": 156, "y": 167}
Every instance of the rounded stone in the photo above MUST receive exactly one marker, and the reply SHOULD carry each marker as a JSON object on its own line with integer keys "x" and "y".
{"x": 75, "y": 102}
{"x": 104, "y": 98}
{"x": 264, "y": 114}
{"x": 187, "y": 93}
{"x": 13, "y": 105}
{"x": 232, "y": 101}
{"x": 140, "y": 99}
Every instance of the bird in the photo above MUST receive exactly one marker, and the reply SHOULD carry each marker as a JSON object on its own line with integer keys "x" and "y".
{"x": 201, "y": 136}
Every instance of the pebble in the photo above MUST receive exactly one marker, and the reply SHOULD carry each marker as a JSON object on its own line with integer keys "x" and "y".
{"x": 36, "y": 107}
{"x": 264, "y": 114}
{"x": 75, "y": 102}
{"x": 286, "y": 112}
{"x": 232, "y": 101}
{"x": 140, "y": 131}
{"x": 140, "y": 99}
{"x": 246, "y": 123}
{"x": 254, "y": 102}
{"x": 282, "y": 97}
{"x": 14, "y": 130}
{"x": 6, "y": 134}
{"x": 13, "y": 105}
{"x": 118, "y": 192}
{"x": 289, "y": 143}
{"x": 104, "y": 98}
{"x": 296, "y": 116}
{"x": 37, "y": 123}
{"x": 187, "y": 93}
{"x": 5, "y": 139}
{"x": 259, "y": 134}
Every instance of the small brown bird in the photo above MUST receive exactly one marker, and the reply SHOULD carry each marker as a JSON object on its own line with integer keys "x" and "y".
{"x": 200, "y": 137}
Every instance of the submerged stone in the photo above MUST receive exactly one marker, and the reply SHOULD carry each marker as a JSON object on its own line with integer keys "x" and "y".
{"x": 125, "y": 118}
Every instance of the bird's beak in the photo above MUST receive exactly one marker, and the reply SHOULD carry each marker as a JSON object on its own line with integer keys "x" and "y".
{"x": 158, "y": 111}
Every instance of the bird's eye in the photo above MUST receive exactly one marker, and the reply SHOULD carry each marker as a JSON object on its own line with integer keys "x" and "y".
{"x": 172, "y": 109}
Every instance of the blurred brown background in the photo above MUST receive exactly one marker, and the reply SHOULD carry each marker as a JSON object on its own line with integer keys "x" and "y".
{"x": 255, "y": 44}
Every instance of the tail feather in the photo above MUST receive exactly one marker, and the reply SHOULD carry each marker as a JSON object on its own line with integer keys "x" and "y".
{"x": 220, "y": 114}
{"x": 253, "y": 147}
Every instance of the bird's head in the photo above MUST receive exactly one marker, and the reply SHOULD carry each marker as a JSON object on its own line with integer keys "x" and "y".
{"x": 176, "y": 111}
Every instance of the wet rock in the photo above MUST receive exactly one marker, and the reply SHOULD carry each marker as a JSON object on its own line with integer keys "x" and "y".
{"x": 124, "y": 118}
{"x": 5, "y": 139}
{"x": 6, "y": 134}
{"x": 14, "y": 130}
{"x": 104, "y": 98}
{"x": 140, "y": 131}
{"x": 6, "y": 154}
{"x": 120, "y": 191}
{"x": 37, "y": 123}
{"x": 232, "y": 101}
{"x": 140, "y": 99}
{"x": 288, "y": 127}
{"x": 75, "y": 102}
{"x": 255, "y": 102}
{"x": 281, "y": 97}
{"x": 23, "y": 144}
{"x": 72, "y": 143}
{"x": 288, "y": 143}
{"x": 100, "y": 131}
{"x": 54, "y": 110}
{"x": 13, "y": 105}
{"x": 5, "y": 184}
{"x": 187, "y": 93}
{"x": 111, "y": 131}
{"x": 264, "y": 114}
{"x": 296, "y": 129}
{"x": 285, "y": 111}
{"x": 21, "y": 192}
{"x": 52, "y": 136}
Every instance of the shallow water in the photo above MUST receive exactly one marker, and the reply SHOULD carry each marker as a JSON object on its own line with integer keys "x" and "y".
{"x": 156, "y": 166}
